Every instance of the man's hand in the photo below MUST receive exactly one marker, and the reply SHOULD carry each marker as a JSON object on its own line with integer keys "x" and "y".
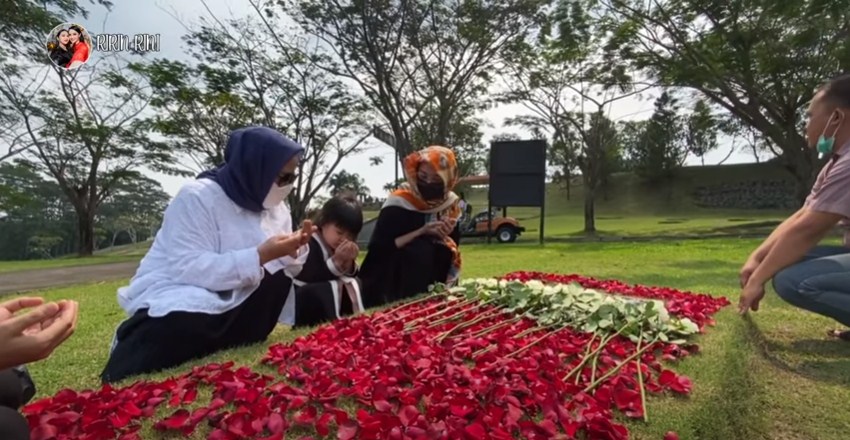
{"x": 751, "y": 295}
{"x": 747, "y": 271}
{"x": 32, "y": 336}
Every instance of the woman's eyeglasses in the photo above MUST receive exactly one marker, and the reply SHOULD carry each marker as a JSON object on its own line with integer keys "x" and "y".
{"x": 286, "y": 179}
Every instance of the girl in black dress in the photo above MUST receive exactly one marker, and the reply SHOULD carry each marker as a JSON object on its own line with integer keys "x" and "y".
{"x": 325, "y": 286}
{"x": 60, "y": 52}
{"x": 414, "y": 243}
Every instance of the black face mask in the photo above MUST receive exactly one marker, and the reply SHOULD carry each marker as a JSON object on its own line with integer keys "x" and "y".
{"x": 431, "y": 191}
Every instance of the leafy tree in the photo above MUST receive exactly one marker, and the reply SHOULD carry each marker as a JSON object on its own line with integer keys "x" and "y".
{"x": 760, "y": 60}
{"x": 432, "y": 58}
{"x": 659, "y": 148}
{"x": 568, "y": 87}
{"x": 463, "y": 137}
{"x": 196, "y": 109}
{"x": 26, "y": 22}
{"x": 36, "y": 220}
{"x": 247, "y": 70}
{"x": 345, "y": 181}
{"x": 134, "y": 208}
{"x": 392, "y": 186}
{"x": 86, "y": 135}
{"x": 701, "y": 130}
{"x": 500, "y": 137}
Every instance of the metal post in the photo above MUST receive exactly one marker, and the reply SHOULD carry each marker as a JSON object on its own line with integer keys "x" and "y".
{"x": 396, "y": 167}
{"x": 489, "y": 217}
{"x": 542, "y": 211}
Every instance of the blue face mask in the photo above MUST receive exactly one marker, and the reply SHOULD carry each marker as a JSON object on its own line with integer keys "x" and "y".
{"x": 826, "y": 144}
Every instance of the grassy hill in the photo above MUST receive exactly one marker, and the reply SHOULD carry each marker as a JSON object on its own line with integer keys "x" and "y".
{"x": 630, "y": 208}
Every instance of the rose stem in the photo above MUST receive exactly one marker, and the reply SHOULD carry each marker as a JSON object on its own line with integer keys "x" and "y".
{"x": 462, "y": 325}
{"x": 461, "y": 304}
{"x": 640, "y": 384}
{"x": 451, "y": 318}
{"x": 525, "y": 332}
{"x": 602, "y": 343}
{"x": 425, "y": 298}
{"x": 531, "y": 330}
{"x": 427, "y": 309}
{"x": 535, "y": 342}
{"x": 593, "y": 366}
{"x": 619, "y": 366}
{"x": 499, "y": 325}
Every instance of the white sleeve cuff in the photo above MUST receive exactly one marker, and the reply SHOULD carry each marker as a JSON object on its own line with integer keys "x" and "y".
{"x": 248, "y": 265}
{"x": 293, "y": 266}
{"x": 332, "y": 267}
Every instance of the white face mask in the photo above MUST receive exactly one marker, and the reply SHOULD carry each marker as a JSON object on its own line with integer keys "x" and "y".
{"x": 276, "y": 195}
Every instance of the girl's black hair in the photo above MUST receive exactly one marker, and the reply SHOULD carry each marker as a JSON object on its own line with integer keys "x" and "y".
{"x": 76, "y": 28}
{"x": 343, "y": 211}
{"x": 59, "y": 32}
{"x": 837, "y": 90}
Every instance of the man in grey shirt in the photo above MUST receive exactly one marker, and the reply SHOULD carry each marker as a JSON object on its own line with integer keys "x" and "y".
{"x": 814, "y": 278}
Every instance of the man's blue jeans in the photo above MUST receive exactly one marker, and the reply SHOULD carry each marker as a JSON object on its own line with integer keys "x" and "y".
{"x": 819, "y": 283}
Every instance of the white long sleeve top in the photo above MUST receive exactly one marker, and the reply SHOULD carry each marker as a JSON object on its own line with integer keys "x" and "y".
{"x": 205, "y": 258}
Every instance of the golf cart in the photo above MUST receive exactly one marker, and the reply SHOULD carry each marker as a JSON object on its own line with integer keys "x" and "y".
{"x": 504, "y": 229}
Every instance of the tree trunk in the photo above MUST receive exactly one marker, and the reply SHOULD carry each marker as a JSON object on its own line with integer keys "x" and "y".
{"x": 85, "y": 231}
{"x": 589, "y": 209}
{"x": 299, "y": 213}
{"x": 802, "y": 163}
{"x": 569, "y": 182}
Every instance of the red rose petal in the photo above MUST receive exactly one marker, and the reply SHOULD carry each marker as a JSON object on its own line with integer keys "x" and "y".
{"x": 347, "y": 430}
{"x": 44, "y": 432}
{"x": 475, "y": 431}
{"x": 408, "y": 415}
{"x": 383, "y": 406}
{"x": 174, "y": 421}
{"x": 322, "y": 424}
{"x": 276, "y": 424}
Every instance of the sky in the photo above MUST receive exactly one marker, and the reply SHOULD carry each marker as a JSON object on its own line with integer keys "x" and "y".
{"x": 164, "y": 17}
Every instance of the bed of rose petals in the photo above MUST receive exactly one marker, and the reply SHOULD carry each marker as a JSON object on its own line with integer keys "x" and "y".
{"x": 391, "y": 376}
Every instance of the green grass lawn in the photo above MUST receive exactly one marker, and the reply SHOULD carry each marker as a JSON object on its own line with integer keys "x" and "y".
{"x": 771, "y": 376}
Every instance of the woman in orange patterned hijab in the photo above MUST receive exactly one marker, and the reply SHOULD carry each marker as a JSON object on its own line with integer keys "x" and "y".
{"x": 414, "y": 243}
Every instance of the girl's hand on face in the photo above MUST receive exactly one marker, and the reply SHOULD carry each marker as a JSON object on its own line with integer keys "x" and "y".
{"x": 347, "y": 250}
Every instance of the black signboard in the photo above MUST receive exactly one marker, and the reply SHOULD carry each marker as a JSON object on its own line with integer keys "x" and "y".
{"x": 518, "y": 175}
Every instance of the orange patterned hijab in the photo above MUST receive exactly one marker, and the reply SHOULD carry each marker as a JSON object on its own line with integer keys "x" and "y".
{"x": 407, "y": 195}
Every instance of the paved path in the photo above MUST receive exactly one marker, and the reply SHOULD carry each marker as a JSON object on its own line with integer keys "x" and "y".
{"x": 25, "y": 280}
